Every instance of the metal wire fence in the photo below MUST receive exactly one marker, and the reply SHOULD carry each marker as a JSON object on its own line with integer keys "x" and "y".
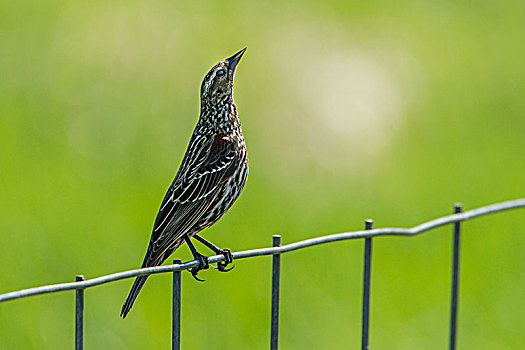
{"x": 277, "y": 250}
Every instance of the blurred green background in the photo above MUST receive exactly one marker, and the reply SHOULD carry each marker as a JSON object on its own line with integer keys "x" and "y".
{"x": 389, "y": 110}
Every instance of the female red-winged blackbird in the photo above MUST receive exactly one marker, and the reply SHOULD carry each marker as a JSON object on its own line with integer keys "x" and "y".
{"x": 210, "y": 178}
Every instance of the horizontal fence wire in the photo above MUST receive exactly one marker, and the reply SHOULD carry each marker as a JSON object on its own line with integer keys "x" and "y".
{"x": 449, "y": 219}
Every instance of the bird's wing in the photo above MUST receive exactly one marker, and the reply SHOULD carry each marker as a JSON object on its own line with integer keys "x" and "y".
{"x": 206, "y": 165}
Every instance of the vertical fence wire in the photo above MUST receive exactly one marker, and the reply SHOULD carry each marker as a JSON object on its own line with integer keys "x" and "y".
{"x": 175, "y": 340}
{"x": 79, "y": 316}
{"x": 367, "y": 272}
{"x": 276, "y": 283}
{"x": 458, "y": 208}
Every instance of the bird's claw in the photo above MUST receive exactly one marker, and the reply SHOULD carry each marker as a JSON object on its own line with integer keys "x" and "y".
{"x": 203, "y": 265}
{"x": 194, "y": 273}
{"x": 221, "y": 266}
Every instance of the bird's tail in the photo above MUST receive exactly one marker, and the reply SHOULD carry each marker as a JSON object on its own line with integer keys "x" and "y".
{"x": 137, "y": 286}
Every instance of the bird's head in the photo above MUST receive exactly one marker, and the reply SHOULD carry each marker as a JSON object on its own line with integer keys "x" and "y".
{"x": 217, "y": 85}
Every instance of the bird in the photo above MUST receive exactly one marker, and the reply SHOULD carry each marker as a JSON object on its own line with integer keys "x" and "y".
{"x": 210, "y": 178}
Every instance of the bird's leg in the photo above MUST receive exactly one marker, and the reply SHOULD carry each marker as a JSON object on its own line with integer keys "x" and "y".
{"x": 221, "y": 266}
{"x": 203, "y": 260}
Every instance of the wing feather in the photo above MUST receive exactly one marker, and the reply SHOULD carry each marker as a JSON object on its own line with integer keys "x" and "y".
{"x": 206, "y": 166}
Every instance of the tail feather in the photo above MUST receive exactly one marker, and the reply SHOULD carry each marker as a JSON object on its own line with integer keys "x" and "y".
{"x": 137, "y": 286}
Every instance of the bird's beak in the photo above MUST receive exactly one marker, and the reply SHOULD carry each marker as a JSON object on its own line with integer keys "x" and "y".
{"x": 232, "y": 61}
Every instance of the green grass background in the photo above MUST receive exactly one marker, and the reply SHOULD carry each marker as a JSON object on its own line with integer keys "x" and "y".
{"x": 388, "y": 110}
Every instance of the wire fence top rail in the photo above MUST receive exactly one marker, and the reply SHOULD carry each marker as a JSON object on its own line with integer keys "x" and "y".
{"x": 426, "y": 226}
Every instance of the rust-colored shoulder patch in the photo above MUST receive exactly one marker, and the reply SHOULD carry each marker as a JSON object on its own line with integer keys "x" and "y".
{"x": 220, "y": 142}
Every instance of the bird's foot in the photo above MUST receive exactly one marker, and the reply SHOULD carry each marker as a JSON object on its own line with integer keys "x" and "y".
{"x": 203, "y": 265}
{"x": 221, "y": 266}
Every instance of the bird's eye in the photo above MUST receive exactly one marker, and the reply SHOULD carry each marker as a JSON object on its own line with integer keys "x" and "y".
{"x": 221, "y": 72}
